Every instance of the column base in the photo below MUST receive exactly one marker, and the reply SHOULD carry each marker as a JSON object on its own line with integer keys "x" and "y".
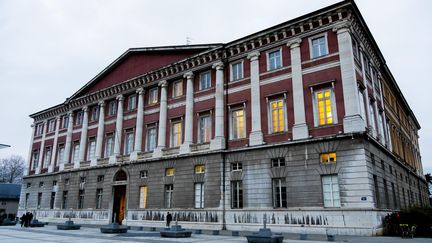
{"x": 50, "y": 168}
{"x": 157, "y": 152}
{"x": 256, "y": 138}
{"x": 300, "y": 131}
{"x": 217, "y": 143}
{"x": 185, "y": 148}
{"x": 38, "y": 170}
{"x": 93, "y": 162}
{"x": 61, "y": 166}
{"x": 134, "y": 155}
{"x": 112, "y": 159}
{"x": 76, "y": 165}
{"x": 354, "y": 123}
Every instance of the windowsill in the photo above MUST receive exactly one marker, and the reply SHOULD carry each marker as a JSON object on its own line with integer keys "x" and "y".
{"x": 204, "y": 90}
{"x": 153, "y": 104}
{"x": 237, "y": 139}
{"x": 177, "y": 97}
{"x": 274, "y": 70}
{"x": 237, "y": 80}
{"x": 325, "y": 126}
{"x": 276, "y": 134}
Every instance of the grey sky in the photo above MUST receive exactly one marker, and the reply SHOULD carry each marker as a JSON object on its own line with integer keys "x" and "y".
{"x": 49, "y": 49}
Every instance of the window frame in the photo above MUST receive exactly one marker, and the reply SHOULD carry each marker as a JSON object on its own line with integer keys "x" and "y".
{"x": 65, "y": 121}
{"x": 177, "y": 89}
{"x": 168, "y": 195}
{"x": 280, "y": 192}
{"x": 144, "y": 174}
{"x": 112, "y": 108}
{"x": 170, "y": 171}
{"x": 94, "y": 113}
{"x": 148, "y": 138}
{"x": 270, "y": 115}
{"x": 47, "y": 157}
{"x": 326, "y": 49}
{"x": 207, "y": 82}
{"x": 236, "y": 166}
{"x": 202, "y": 135}
{"x": 143, "y": 194}
{"x": 329, "y": 157}
{"x": 269, "y": 67}
{"x": 109, "y": 136}
{"x": 199, "y": 169}
{"x": 99, "y": 198}
{"x": 332, "y": 192}
{"x": 153, "y": 96}
{"x": 128, "y": 146}
{"x": 281, "y": 162}
{"x": 237, "y": 197}
{"x": 51, "y": 125}
{"x": 231, "y": 128}
{"x": 79, "y": 118}
{"x": 91, "y": 148}
{"x": 132, "y": 102}
{"x": 75, "y": 152}
{"x": 332, "y": 105}
{"x": 178, "y": 135}
{"x": 200, "y": 202}
{"x": 241, "y": 76}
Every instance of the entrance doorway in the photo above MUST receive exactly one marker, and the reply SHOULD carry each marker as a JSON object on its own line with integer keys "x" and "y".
{"x": 119, "y": 204}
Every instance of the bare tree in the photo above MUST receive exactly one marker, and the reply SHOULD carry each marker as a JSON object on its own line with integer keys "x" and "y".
{"x": 428, "y": 177}
{"x": 12, "y": 169}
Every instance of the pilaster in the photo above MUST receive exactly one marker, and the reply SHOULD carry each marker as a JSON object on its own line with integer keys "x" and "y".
{"x": 218, "y": 142}
{"x": 256, "y": 135}
{"x": 42, "y": 149}
{"x": 68, "y": 144}
{"x": 54, "y": 150}
{"x": 185, "y": 147}
{"x": 83, "y": 138}
{"x": 100, "y": 133}
{"x": 119, "y": 130}
{"x": 139, "y": 125}
{"x": 162, "y": 119}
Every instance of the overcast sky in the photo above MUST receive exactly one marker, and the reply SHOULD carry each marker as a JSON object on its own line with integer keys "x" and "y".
{"x": 49, "y": 49}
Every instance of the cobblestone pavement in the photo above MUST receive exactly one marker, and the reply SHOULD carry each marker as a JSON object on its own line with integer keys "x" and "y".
{"x": 49, "y": 233}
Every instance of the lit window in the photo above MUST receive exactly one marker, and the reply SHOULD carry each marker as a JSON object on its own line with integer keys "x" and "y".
{"x": 238, "y": 124}
{"x": 236, "y": 194}
{"x": 99, "y": 194}
{"x": 112, "y": 108}
{"x": 95, "y": 113}
{"x": 91, "y": 149}
{"x": 274, "y": 60}
{"x": 169, "y": 172}
{"x": 199, "y": 169}
{"x": 177, "y": 89}
{"x": 278, "y": 162}
{"x": 143, "y": 174}
{"x": 131, "y": 102}
{"x": 279, "y": 193}
{"x": 199, "y": 195}
{"x": 51, "y": 126}
{"x": 204, "y": 129}
{"x": 319, "y": 47}
{"x": 153, "y": 96}
{"x": 79, "y": 118}
{"x": 331, "y": 191}
{"x": 75, "y": 152}
{"x": 176, "y": 134}
{"x": 237, "y": 71}
{"x": 151, "y": 138}
{"x": 143, "y": 197}
{"x": 237, "y": 166}
{"x": 129, "y": 140}
{"x": 109, "y": 145}
{"x": 324, "y": 107}
{"x": 169, "y": 189}
{"x": 328, "y": 158}
{"x": 277, "y": 117}
{"x": 205, "y": 80}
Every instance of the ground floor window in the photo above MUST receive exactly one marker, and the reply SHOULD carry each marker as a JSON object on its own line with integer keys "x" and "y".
{"x": 331, "y": 191}
{"x": 99, "y": 194}
{"x": 80, "y": 199}
{"x": 169, "y": 189}
{"x": 39, "y": 200}
{"x": 199, "y": 195}
{"x": 143, "y": 197}
{"x": 236, "y": 194}
{"x": 64, "y": 199}
{"x": 53, "y": 194}
{"x": 279, "y": 193}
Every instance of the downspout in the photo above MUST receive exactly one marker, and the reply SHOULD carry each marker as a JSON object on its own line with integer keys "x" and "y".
{"x": 224, "y": 61}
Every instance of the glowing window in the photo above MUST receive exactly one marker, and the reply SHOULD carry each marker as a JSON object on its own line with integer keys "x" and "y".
{"x": 277, "y": 116}
{"x": 169, "y": 172}
{"x": 324, "y": 106}
{"x": 199, "y": 169}
{"x": 328, "y": 158}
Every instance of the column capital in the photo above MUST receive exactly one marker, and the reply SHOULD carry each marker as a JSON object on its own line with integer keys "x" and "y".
{"x": 140, "y": 91}
{"x": 120, "y": 97}
{"x": 70, "y": 113}
{"x": 342, "y": 27}
{"x": 294, "y": 43}
{"x": 218, "y": 66}
{"x": 45, "y": 122}
{"x": 101, "y": 103}
{"x": 253, "y": 56}
{"x": 85, "y": 108}
{"x": 58, "y": 118}
{"x": 188, "y": 75}
{"x": 163, "y": 83}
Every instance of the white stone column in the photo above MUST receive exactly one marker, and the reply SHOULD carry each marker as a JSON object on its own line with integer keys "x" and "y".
{"x": 384, "y": 117}
{"x": 100, "y": 133}
{"x": 188, "y": 140}
{"x": 54, "y": 149}
{"x": 353, "y": 121}
{"x": 219, "y": 139}
{"x": 162, "y": 119}
{"x": 300, "y": 128}
{"x": 42, "y": 149}
{"x": 68, "y": 145}
{"x": 366, "y": 98}
{"x": 83, "y": 138}
{"x": 256, "y": 135}
{"x": 139, "y": 125}
{"x": 119, "y": 130}
{"x": 29, "y": 157}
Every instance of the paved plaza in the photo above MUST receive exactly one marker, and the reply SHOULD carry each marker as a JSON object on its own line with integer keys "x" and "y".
{"x": 49, "y": 233}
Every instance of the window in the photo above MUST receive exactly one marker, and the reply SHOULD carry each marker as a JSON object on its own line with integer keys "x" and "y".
{"x": 383, "y": 165}
{"x": 326, "y": 158}
{"x": 35, "y": 159}
{"x": 52, "y": 200}
{"x": 319, "y": 46}
{"x": 100, "y": 178}
{"x": 151, "y": 138}
{"x": 143, "y": 174}
{"x": 199, "y": 195}
{"x": 205, "y": 80}
{"x": 91, "y": 149}
{"x": 274, "y": 60}
{"x": 278, "y": 162}
{"x": 79, "y": 118}
{"x": 60, "y": 155}
{"x": 39, "y": 200}
{"x": 236, "y": 194}
{"x": 95, "y": 113}
{"x": 66, "y": 182}
{"x": 47, "y": 157}
{"x": 169, "y": 172}
{"x": 143, "y": 197}
{"x": 28, "y": 185}
{"x": 112, "y": 108}
{"x": 386, "y": 194}
{"x": 372, "y": 158}
{"x": 362, "y": 105}
{"x": 355, "y": 48}
{"x": 65, "y": 121}
{"x": 54, "y": 183}
{"x": 238, "y": 124}
{"x": 277, "y": 116}
{"x": 27, "y": 196}
{"x": 82, "y": 179}
{"x": 176, "y": 134}
{"x": 99, "y": 194}
{"x": 81, "y": 199}
{"x": 237, "y": 166}
{"x": 199, "y": 169}
{"x": 75, "y": 153}
{"x": 109, "y": 145}
{"x": 131, "y": 102}
{"x": 381, "y": 124}
{"x": 39, "y": 129}
{"x": 372, "y": 117}
{"x": 169, "y": 189}
{"x": 153, "y": 96}
{"x": 177, "y": 89}
{"x": 41, "y": 184}
{"x": 324, "y": 107}
{"x": 129, "y": 142}
{"x": 51, "y": 125}
{"x": 279, "y": 193}
{"x": 331, "y": 191}
{"x": 237, "y": 71}
{"x": 204, "y": 129}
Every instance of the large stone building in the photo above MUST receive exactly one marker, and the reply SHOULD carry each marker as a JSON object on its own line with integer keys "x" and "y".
{"x": 302, "y": 123}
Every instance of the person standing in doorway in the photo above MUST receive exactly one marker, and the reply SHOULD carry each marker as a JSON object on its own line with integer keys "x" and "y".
{"x": 168, "y": 219}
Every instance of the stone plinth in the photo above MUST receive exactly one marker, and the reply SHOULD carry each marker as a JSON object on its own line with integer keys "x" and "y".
{"x": 36, "y": 223}
{"x": 113, "y": 228}
{"x": 68, "y": 225}
{"x": 175, "y": 231}
{"x": 264, "y": 235}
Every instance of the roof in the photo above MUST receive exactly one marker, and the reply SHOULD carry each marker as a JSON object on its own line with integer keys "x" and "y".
{"x": 10, "y": 191}
{"x": 4, "y": 146}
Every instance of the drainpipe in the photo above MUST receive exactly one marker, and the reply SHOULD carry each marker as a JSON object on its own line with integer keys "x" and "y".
{"x": 224, "y": 61}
